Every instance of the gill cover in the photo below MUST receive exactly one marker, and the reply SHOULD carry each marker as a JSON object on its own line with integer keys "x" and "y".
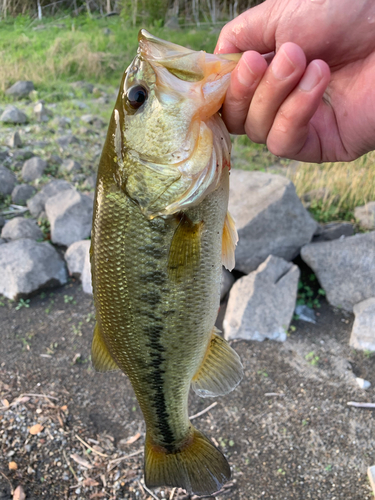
{"x": 170, "y": 143}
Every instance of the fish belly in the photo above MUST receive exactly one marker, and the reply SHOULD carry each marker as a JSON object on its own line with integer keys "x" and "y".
{"x": 156, "y": 328}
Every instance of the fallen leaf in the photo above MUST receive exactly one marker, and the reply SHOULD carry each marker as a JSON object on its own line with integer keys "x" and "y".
{"x": 19, "y": 494}
{"x": 64, "y": 407}
{"x": 5, "y": 403}
{"x": 12, "y": 466}
{"x": 90, "y": 482}
{"x": 134, "y": 438}
{"x": 17, "y": 401}
{"x": 101, "y": 494}
{"x": 35, "y": 429}
{"x": 81, "y": 461}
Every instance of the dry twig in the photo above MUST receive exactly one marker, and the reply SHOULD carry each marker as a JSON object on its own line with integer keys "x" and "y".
{"x": 361, "y": 405}
{"x": 90, "y": 448}
{"x": 116, "y": 461}
{"x": 203, "y": 411}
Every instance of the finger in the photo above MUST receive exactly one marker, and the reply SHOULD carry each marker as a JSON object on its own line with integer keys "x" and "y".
{"x": 298, "y": 129}
{"x": 278, "y": 82}
{"x": 245, "y": 78}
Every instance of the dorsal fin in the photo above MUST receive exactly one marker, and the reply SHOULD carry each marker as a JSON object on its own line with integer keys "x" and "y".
{"x": 230, "y": 239}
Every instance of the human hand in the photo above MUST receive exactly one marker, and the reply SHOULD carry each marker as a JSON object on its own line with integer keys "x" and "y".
{"x": 316, "y": 100}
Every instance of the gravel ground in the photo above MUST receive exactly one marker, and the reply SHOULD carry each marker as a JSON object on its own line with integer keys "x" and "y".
{"x": 288, "y": 433}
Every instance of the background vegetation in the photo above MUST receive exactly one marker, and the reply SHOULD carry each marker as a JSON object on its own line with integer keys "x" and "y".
{"x": 82, "y": 42}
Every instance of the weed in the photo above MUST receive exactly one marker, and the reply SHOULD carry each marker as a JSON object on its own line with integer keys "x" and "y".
{"x": 45, "y": 228}
{"x": 263, "y": 373}
{"x": 328, "y": 468}
{"x": 22, "y": 303}
{"x": 77, "y": 329}
{"x": 312, "y": 359}
{"x": 281, "y": 472}
{"x": 369, "y": 354}
{"x": 90, "y": 317}
{"x": 308, "y": 294}
{"x": 69, "y": 299}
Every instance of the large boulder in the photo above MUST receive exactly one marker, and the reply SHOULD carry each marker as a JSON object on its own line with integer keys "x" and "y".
{"x": 19, "y": 228}
{"x": 11, "y": 114}
{"x": 20, "y": 89}
{"x": 227, "y": 280}
{"x": 22, "y": 193}
{"x": 86, "y": 275}
{"x": 363, "y": 332}
{"x": 33, "y": 169}
{"x": 345, "y": 268}
{"x": 261, "y": 305}
{"x": 27, "y": 266}
{"x": 70, "y": 216}
{"x": 75, "y": 257}
{"x": 37, "y": 203}
{"x": 269, "y": 217}
{"x": 7, "y": 181}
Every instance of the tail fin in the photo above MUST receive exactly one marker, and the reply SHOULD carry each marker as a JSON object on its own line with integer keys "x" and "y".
{"x": 198, "y": 467}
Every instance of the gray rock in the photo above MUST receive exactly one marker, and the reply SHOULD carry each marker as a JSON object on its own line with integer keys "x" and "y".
{"x": 4, "y": 155}
{"x": 22, "y": 154}
{"x": 261, "y": 305}
{"x": 70, "y": 216}
{"x": 371, "y": 476}
{"x": 333, "y": 231}
{"x": 7, "y": 181}
{"x": 15, "y": 141}
{"x": 70, "y": 166}
{"x": 11, "y": 114}
{"x": 366, "y": 215}
{"x": 75, "y": 257}
{"x": 82, "y": 85}
{"x": 363, "y": 332}
{"x": 2, "y": 222}
{"x": 62, "y": 122}
{"x": 66, "y": 140}
{"x": 88, "y": 119}
{"x": 33, "y": 168}
{"x": 2, "y": 241}
{"x": 79, "y": 104}
{"x": 269, "y": 216}
{"x": 305, "y": 313}
{"x": 19, "y": 228}
{"x": 107, "y": 31}
{"x": 227, "y": 280}
{"x": 36, "y": 204}
{"x": 22, "y": 193}
{"x": 90, "y": 182}
{"x": 20, "y": 89}
{"x": 42, "y": 113}
{"x": 345, "y": 268}
{"x": 55, "y": 160}
{"x": 86, "y": 275}
{"x": 27, "y": 266}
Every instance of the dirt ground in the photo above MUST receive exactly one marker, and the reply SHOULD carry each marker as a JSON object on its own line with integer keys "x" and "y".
{"x": 287, "y": 430}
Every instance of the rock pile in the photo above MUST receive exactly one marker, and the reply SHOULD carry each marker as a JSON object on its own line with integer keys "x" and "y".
{"x": 273, "y": 225}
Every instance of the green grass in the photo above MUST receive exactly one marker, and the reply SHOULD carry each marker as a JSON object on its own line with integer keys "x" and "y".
{"x": 64, "y": 50}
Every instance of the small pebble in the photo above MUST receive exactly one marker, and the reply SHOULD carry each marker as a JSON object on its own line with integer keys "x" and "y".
{"x": 363, "y": 384}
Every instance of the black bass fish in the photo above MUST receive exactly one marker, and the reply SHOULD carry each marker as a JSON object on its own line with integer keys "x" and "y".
{"x": 161, "y": 232}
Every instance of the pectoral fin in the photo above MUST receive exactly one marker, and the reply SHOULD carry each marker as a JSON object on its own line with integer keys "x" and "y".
{"x": 230, "y": 238}
{"x": 221, "y": 370}
{"x": 100, "y": 356}
{"x": 185, "y": 250}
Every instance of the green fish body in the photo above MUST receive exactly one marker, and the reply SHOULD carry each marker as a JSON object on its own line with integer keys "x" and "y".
{"x": 160, "y": 232}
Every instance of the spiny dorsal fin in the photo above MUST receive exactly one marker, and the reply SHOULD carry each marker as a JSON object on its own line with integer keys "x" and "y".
{"x": 185, "y": 250}
{"x": 230, "y": 238}
{"x": 100, "y": 356}
{"x": 221, "y": 370}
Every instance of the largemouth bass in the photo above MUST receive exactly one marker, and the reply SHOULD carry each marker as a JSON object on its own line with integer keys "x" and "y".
{"x": 161, "y": 232}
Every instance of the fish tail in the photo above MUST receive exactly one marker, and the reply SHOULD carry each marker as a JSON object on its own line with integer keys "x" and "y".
{"x": 198, "y": 466}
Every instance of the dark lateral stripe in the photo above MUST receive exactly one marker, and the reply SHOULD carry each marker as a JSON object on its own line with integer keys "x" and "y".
{"x": 154, "y": 332}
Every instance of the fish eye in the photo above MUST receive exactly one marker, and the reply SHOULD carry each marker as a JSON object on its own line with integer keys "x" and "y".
{"x": 136, "y": 96}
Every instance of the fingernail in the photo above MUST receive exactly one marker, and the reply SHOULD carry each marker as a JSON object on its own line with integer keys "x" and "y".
{"x": 282, "y": 66}
{"x": 311, "y": 78}
{"x": 246, "y": 76}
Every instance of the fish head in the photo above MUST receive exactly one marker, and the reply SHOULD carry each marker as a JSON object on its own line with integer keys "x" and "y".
{"x": 164, "y": 121}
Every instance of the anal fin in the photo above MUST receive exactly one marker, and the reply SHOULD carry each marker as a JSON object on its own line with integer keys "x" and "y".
{"x": 230, "y": 239}
{"x": 221, "y": 370}
{"x": 100, "y": 356}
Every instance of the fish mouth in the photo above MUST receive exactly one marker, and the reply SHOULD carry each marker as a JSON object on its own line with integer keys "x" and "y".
{"x": 185, "y": 64}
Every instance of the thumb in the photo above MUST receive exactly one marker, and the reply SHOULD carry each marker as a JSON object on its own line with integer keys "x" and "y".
{"x": 247, "y": 31}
